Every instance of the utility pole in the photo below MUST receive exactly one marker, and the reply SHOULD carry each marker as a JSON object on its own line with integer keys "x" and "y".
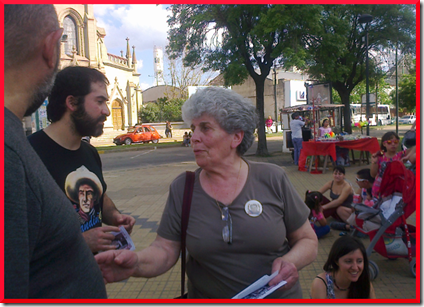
{"x": 365, "y": 18}
{"x": 275, "y": 98}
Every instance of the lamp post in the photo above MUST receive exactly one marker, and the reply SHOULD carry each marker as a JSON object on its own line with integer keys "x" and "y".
{"x": 275, "y": 98}
{"x": 366, "y": 18}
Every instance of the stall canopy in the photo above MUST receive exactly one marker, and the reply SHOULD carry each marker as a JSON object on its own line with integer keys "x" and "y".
{"x": 309, "y": 107}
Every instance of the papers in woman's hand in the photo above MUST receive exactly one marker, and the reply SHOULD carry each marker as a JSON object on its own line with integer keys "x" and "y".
{"x": 260, "y": 288}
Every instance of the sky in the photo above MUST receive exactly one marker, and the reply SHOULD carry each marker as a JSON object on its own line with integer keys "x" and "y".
{"x": 144, "y": 24}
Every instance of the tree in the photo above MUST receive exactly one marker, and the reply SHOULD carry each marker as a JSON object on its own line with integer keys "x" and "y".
{"x": 172, "y": 109}
{"x": 149, "y": 113}
{"x": 244, "y": 40}
{"x": 182, "y": 77}
{"x": 407, "y": 91}
{"x": 338, "y": 52}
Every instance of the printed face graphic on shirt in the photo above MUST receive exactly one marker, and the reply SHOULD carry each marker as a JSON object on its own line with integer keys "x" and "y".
{"x": 83, "y": 188}
{"x": 87, "y": 197}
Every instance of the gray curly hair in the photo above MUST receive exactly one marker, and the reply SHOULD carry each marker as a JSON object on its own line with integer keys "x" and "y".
{"x": 231, "y": 111}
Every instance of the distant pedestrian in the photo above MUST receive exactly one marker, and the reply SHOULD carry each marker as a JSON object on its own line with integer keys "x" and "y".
{"x": 268, "y": 124}
{"x": 296, "y": 127}
{"x": 168, "y": 130}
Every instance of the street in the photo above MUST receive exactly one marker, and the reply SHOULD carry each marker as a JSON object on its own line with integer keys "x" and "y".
{"x": 156, "y": 156}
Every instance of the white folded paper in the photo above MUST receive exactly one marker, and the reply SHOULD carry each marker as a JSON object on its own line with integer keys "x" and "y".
{"x": 260, "y": 288}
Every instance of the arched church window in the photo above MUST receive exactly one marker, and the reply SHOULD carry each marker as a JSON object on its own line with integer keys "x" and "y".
{"x": 70, "y": 29}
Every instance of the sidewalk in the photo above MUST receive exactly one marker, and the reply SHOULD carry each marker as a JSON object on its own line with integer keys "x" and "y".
{"x": 142, "y": 193}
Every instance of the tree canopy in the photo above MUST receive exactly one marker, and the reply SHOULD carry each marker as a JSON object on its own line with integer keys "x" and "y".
{"x": 241, "y": 40}
{"x": 327, "y": 41}
{"x": 337, "y": 54}
{"x": 407, "y": 90}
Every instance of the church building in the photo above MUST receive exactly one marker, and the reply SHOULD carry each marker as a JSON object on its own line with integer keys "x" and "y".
{"x": 83, "y": 45}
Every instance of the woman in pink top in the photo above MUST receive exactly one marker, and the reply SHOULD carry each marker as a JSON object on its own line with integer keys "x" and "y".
{"x": 325, "y": 128}
{"x": 268, "y": 124}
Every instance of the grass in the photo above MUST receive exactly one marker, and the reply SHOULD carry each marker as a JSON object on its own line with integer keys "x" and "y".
{"x": 135, "y": 147}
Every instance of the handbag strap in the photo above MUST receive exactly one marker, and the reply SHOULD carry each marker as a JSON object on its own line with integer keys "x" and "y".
{"x": 188, "y": 194}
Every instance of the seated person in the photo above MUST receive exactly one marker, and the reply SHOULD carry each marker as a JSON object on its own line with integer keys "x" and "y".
{"x": 325, "y": 128}
{"x": 346, "y": 272}
{"x": 186, "y": 140}
{"x": 341, "y": 194}
{"x": 362, "y": 195}
{"x": 189, "y": 138}
{"x": 316, "y": 218}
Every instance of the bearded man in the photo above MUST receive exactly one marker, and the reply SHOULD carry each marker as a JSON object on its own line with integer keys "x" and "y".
{"x": 45, "y": 255}
{"x": 78, "y": 107}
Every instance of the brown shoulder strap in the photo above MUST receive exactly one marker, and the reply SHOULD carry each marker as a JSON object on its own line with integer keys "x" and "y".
{"x": 185, "y": 214}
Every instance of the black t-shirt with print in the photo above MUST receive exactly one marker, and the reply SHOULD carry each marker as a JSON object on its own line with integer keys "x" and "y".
{"x": 78, "y": 173}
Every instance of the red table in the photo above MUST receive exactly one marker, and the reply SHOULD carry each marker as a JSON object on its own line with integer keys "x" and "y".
{"x": 317, "y": 148}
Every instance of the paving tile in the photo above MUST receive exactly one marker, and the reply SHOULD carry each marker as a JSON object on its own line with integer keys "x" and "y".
{"x": 143, "y": 192}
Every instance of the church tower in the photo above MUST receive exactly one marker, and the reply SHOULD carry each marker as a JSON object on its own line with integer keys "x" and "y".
{"x": 158, "y": 65}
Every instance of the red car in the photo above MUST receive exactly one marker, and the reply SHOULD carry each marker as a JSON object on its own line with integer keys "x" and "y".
{"x": 138, "y": 134}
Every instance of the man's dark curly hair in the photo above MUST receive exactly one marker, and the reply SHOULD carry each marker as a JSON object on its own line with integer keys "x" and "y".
{"x": 72, "y": 81}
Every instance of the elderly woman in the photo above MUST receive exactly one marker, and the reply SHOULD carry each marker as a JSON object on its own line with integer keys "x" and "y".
{"x": 267, "y": 221}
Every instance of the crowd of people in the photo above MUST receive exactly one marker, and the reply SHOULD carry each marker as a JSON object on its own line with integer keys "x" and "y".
{"x": 246, "y": 219}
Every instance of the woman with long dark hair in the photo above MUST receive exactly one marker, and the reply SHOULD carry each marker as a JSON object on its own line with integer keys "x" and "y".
{"x": 346, "y": 273}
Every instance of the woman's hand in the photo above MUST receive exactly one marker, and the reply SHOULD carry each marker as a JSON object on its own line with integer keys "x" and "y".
{"x": 303, "y": 250}
{"x": 287, "y": 272}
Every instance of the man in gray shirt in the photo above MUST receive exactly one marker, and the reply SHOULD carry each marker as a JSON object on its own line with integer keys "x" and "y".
{"x": 45, "y": 253}
{"x": 296, "y": 127}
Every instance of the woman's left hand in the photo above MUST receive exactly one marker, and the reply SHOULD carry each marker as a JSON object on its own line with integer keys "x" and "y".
{"x": 287, "y": 272}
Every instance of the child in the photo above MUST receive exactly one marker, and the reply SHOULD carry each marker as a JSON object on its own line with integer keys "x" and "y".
{"x": 369, "y": 200}
{"x": 318, "y": 222}
{"x": 379, "y": 160}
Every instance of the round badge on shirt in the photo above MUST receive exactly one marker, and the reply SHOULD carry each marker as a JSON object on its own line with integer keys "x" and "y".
{"x": 253, "y": 208}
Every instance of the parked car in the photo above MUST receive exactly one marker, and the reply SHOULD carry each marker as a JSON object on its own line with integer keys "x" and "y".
{"x": 138, "y": 134}
{"x": 407, "y": 119}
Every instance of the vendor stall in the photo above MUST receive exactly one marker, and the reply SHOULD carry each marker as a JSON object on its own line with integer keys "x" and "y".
{"x": 315, "y": 113}
{"x": 328, "y": 148}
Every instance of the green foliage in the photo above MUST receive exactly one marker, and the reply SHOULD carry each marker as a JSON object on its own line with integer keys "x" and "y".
{"x": 172, "y": 109}
{"x": 382, "y": 89}
{"x": 337, "y": 53}
{"x": 407, "y": 91}
{"x": 150, "y": 113}
{"x": 162, "y": 110}
{"x": 246, "y": 40}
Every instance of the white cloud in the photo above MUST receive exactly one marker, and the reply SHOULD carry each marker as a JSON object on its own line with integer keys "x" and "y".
{"x": 139, "y": 64}
{"x": 144, "y": 24}
{"x": 145, "y": 86}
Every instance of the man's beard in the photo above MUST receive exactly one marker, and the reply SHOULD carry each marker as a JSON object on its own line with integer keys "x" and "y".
{"x": 43, "y": 89}
{"x": 85, "y": 125}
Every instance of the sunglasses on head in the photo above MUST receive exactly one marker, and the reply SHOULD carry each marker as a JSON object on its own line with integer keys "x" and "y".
{"x": 360, "y": 180}
{"x": 390, "y": 142}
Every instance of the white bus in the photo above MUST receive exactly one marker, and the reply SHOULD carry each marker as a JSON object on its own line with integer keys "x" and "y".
{"x": 381, "y": 116}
